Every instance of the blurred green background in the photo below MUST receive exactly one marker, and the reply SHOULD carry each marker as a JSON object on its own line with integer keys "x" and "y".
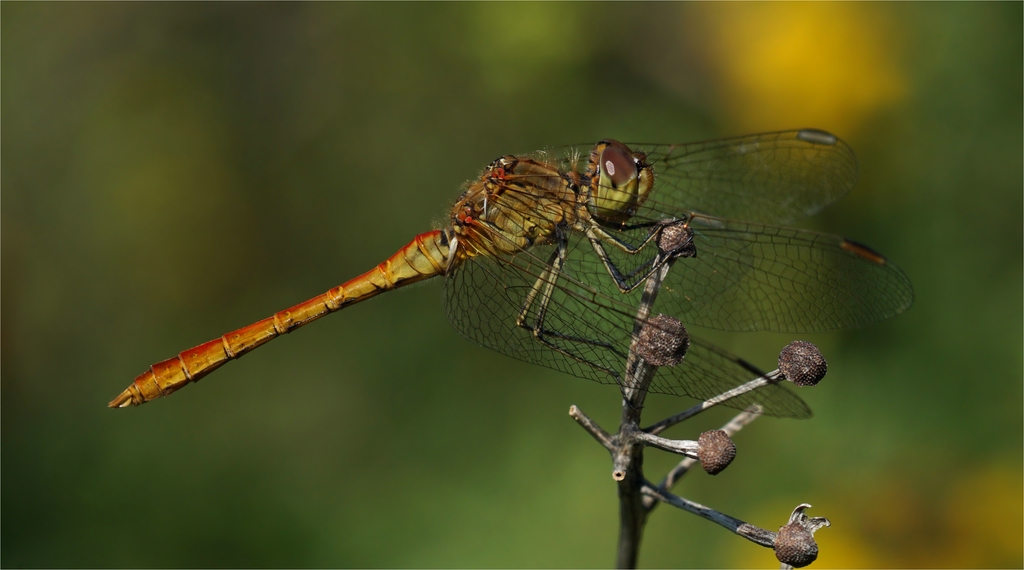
{"x": 174, "y": 171}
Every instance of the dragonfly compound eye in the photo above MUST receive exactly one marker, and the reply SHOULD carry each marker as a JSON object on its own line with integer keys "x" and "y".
{"x": 618, "y": 170}
{"x": 622, "y": 182}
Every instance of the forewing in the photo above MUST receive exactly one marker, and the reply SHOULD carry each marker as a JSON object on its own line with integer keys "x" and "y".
{"x": 771, "y": 178}
{"x": 752, "y": 277}
{"x": 749, "y": 277}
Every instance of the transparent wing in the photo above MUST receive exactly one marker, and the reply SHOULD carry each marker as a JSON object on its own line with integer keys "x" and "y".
{"x": 587, "y": 325}
{"x": 771, "y": 178}
{"x": 485, "y": 295}
{"x": 752, "y": 277}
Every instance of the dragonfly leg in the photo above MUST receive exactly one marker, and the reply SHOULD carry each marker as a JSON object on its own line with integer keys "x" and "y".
{"x": 545, "y": 281}
{"x": 595, "y": 231}
{"x": 627, "y": 283}
{"x": 538, "y": 299}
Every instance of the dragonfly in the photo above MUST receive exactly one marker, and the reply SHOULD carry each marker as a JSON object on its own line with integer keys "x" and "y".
{"x": 544, "y": 256}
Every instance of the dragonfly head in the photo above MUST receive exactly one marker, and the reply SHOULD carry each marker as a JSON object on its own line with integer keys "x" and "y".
{"x": 620, "y": 181}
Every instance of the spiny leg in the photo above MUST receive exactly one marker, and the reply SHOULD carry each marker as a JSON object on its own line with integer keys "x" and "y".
{"x": 543, "y": 288}
{"x": 546, "y": 281}
{"x": 595, "y": 231}
{"x": 627, "y": 283}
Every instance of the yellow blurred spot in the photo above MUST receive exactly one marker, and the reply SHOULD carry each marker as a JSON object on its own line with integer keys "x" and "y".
{"x": 844, "y": 550}
{"x": 826, "y": 65}
{"x": 985, "y": 516}
{"x": 976, "y": 522}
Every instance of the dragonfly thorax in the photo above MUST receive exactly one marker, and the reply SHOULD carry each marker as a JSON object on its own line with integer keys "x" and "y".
{"x": 620, "y": 181}
{"x": 516, "y": 203}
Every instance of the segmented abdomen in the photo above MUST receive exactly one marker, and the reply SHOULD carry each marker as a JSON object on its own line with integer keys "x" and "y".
{"x": 424, "y": 257}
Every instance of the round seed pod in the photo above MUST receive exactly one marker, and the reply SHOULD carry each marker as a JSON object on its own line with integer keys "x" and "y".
{"x": 663, "y": 341}
{"x": 795, "y": 545}
{"x": 677, "y": 239}
{"x": 715, "y": 451}
{"x": 802, "y": 363}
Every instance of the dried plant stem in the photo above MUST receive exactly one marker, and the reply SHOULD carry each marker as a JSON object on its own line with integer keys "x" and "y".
{"x": 748, "y": 531}
{"x": 628, "y": 456}
{"x": 710, "y": 402}
{"x": 637, "y": 496}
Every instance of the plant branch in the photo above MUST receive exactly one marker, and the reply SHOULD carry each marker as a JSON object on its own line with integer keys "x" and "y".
{"x": 673, "y": 476}
{"x": 754, "y": 384}
{"x": 746, "y": 530}
{"x": 602, "y": 437}
{"x": 627, "y": 458}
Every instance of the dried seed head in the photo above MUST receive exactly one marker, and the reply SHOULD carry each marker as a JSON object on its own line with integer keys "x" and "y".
{"x": 663, "y": 341}
{"x": 795, "y": 546}
{"x": 715, "y": 451}
{"x": 802, "y": 363}
{"x": 676, "y": 239}
{"x": 794, "y": 543}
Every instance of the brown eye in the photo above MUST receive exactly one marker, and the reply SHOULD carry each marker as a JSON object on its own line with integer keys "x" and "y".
{"x": 617, "y": 165}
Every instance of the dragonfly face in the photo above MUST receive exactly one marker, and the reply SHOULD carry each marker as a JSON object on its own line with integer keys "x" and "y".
{"x": 623, "y": 181}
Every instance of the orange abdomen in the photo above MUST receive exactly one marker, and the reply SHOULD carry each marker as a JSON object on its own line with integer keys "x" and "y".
{"x": 424, "y": 257}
